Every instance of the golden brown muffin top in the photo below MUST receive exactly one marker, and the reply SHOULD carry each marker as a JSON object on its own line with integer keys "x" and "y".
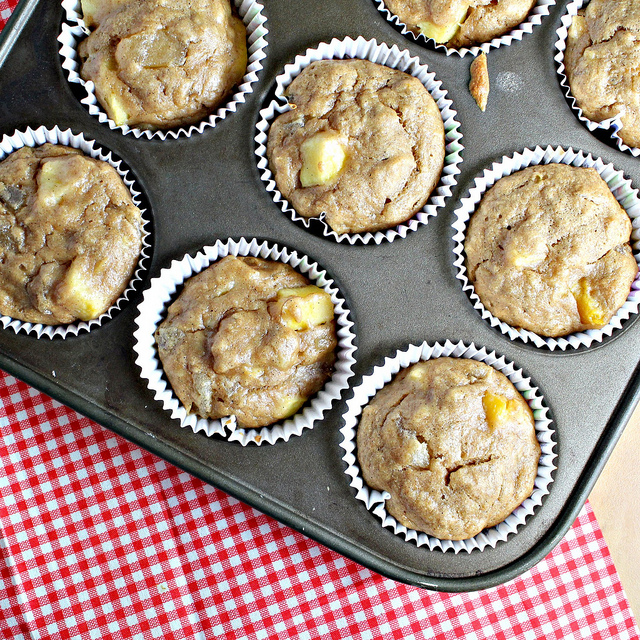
{"x": 163, "y": 63}
{"x": 70, "y": 235}
{"x": 548, "y": 250}
{"x": 453, "y": 443}
{"x": 364, "y": 144}
{"x": 250, "y": 338}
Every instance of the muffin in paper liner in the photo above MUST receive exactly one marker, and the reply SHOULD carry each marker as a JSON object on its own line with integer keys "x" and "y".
{"x": 35, "y": 138}
{"x": 394, "y": 58}
{"x": 622, "y": 190}
{"x": 161, "y": 293}
{"x": 539, "y": 11}
{"x": 611, "y": 126}
{"x": 74, "y": 31}
{"x": 375, "y": 500}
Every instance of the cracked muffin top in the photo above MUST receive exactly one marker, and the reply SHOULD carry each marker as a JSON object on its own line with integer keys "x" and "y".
{"x": 460, "y": 23}
{"x": 548, "y": 250}
{"x": 363, "y": 144}
{"x": 250, "y": 338}
{"x": 70, "y": 235}
{"x": 602, "y": 62}
{"x": 453, "y": 443}
{"x": 162, "y": 63}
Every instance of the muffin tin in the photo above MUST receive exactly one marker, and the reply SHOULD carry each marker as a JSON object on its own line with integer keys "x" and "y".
{"x": 207, "y": 187}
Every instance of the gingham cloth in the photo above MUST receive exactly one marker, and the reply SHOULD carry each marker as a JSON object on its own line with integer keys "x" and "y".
{"x": 100, "y": 539}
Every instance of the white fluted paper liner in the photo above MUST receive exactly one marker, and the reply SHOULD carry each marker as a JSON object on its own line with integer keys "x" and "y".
{"x": 35, "y": 138}
{"x": 539, "y": 11}
{"x": 394, "y": 58}
{"x": 611, "y": 125}
{"x": 624, "y": 193}
{"x": 159, "y": 296}
{"x": 74, "y": 30}
{"x": 375, "y": 500}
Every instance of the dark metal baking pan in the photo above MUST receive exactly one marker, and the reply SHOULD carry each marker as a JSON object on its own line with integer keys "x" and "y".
{"x": 207, "y": 187}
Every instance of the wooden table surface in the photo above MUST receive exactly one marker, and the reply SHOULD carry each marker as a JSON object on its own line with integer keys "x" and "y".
{"x": 616, "y": 502}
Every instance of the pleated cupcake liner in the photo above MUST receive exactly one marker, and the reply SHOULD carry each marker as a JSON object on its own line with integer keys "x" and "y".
{"x": 74, "y": 30}
{"x": 35, "y": 138}
{"x": 394, "y": 58}
{"x": 623, "y": 192}
{"x": 162, "y": 292}
{"x": 375, "y": 500}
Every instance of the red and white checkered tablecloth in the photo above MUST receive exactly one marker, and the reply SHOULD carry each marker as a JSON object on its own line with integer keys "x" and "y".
{"x": 101, "y": 539}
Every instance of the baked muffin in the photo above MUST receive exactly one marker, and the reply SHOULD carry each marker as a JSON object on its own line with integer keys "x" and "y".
{"x": 602, "y": 60}
{"x": 548, "y": 250}
{"x": 363, "y": 144}
{"x": 460, "y": 23}
{"x": 70, "y": 235}
{"x": 250, "y": 338}
{"x": 162, "y": 63}
{"x": 453, "y": 443}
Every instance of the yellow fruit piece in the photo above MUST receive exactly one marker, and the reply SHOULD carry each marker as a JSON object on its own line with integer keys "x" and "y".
{"x": 578, "y": 27}
{"x": 78, "y": 294}
{"x": 116, "y": 110}
{"x": 54, "y": 182}
{"x": 416, "y": 373}
{"x": 590, "y": 310}
{"x": 89, "y": 10}
{"x": 323, "y": 158}
{"x": 304, "y": 307}
{"x": 497, "y": 408}
{"x": 94, "y": 10}
{"x": 523, "y": 260}
{"x": 156, "y": 49}
{"x": 444, "y": 33}
{"x": 288, "y": 406}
